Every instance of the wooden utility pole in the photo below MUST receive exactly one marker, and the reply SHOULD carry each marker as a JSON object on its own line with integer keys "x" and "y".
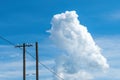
{"x": 37, "y": 59}
{"x": 24, "y": 58}
{"x": 24, "y": 64}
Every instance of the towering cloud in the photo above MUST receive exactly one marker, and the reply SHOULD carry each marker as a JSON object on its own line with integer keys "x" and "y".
{"x": 82, "y": 53}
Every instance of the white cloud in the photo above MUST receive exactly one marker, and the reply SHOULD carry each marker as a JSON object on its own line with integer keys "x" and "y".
{"x": 110, "y": 48}
{"x": 83, "y": 55}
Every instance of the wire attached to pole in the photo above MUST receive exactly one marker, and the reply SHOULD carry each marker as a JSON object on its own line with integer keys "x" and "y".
{"x": 53, "y": 72}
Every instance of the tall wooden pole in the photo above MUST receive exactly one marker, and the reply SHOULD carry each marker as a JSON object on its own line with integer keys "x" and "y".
{"x": 24, "y": 64}
{"x": 24, "y": 58}
{"x": 37, "y": 59}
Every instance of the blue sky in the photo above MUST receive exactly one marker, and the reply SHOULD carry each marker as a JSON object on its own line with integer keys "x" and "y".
{"x": 28, "y": 20}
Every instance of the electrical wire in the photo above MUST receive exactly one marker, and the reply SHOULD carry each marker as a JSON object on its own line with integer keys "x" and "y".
{"x": 53, "y": 72}
{"x": 7, "y": 41}
{"x": 57, "y": 75}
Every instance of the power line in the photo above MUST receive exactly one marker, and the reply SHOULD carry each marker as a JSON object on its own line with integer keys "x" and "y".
{"x": 53, "y": 72}
{"x": 7, "y": 41}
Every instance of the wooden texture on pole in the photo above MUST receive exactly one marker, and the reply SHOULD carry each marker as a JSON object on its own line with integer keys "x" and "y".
{"x": 24, "y": 57}
{"x": 24, "y": 64}
{"x": 37, "y": 59}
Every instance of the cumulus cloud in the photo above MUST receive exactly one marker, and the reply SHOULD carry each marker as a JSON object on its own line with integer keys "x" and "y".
{"x": 83, "y": 55}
